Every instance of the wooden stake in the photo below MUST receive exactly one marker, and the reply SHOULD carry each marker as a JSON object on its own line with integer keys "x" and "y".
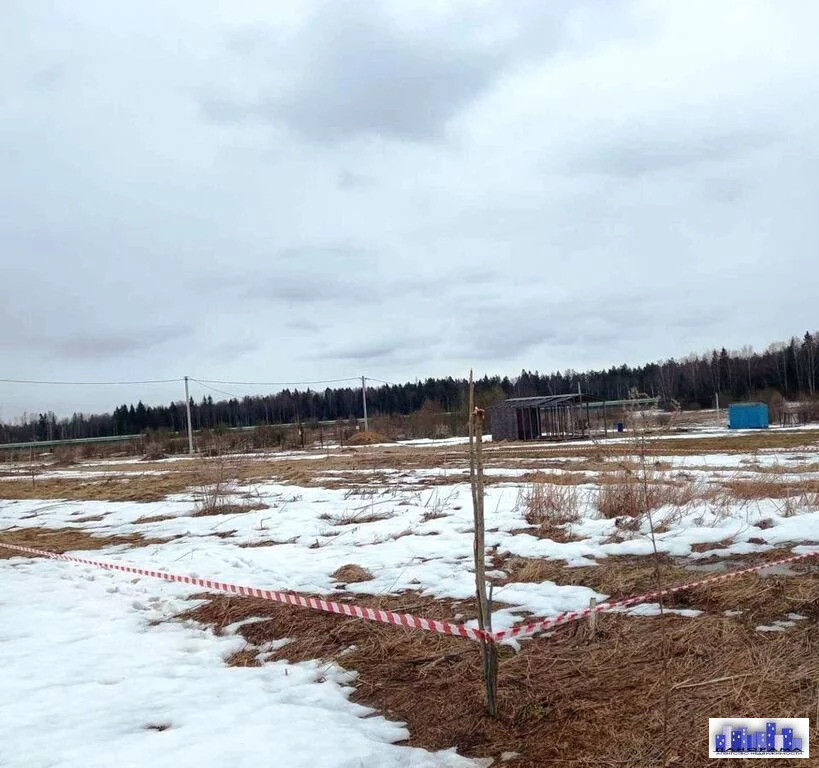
{"x": 489, "y": 657}
{"x": 592, "y": 617}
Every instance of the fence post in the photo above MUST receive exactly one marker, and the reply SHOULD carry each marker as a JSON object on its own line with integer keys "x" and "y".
{"x": 488, "y": 651}
{"x": 592, "y": 617}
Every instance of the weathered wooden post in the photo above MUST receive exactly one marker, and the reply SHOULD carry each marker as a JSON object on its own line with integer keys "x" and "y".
{"x": 592, "y": 617}
{"x": 488, "y": 651}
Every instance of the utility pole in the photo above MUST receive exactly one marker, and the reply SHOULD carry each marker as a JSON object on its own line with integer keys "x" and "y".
{"x": 188, "y": 411}
{"x": 364, "y": 399}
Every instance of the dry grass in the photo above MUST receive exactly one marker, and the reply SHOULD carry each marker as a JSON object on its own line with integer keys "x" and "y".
{"x": 621, "y": 496}
{"x": 600, "y": 458}
{"x": 214, "y": 495}
{"x": 805, "y": 466}
{"x": 147, "y": 519}
{"x": 568, "y": 464}
{"x": 624, "y": 493}
{"x": 357, "y": 517}
{"x": 246, "y": 657}
{"x": 746, "y": 443}
{"x": 563, "y": 699}
{"x": 295, "y": 474}
{"x": 764, "y": 597}
{"x": 550, "y": 508}
{"x": 225, "y": 508}
{"x": 154, "y": 452}
{"x": 368, "y": 438}
{"x": 811, "y": 500}
{"x": 124, "y": 487}
{"x": 770, "y": 488}
{"x": 352, "y": 574}
{"x": 268, "y": 542}
{"x": 707, "y": 546}
{"x": 614, "y": 576}
{"x": 62, "y": 540}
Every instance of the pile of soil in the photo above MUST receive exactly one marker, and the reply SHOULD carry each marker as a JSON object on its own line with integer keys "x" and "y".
{"x": 352, "y": 574}
{"x": 154, "y": 456}
{"x": 368, "y": 438}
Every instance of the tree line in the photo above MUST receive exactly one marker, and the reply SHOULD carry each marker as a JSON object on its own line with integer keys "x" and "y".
{"x": 784, "y": 369}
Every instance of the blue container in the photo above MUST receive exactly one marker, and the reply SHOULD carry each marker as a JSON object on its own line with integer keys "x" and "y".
{"x": 748, "y": 416}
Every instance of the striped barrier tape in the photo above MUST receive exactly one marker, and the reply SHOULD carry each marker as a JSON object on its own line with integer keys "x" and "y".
{"x": 289, "y": 598}
{"x": 525, "y": 630}
{"x": 405, "y": 619}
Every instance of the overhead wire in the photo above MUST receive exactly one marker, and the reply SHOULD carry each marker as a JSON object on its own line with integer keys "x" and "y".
{"x": 381, "y": 381}
{"x": 203, "y": 382}
{"x": 91, "y": 383}
{"x": 215, "y": 389}
{"x": 275, "y": 383}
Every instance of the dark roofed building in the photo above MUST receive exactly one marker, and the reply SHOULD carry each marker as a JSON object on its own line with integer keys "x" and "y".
{"x": 555, "y": 417}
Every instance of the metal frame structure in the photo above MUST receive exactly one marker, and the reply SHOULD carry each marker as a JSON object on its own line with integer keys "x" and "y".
{"x": 556, "y": 417}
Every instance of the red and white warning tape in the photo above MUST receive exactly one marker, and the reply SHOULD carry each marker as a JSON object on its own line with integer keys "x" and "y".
{"x": 405, "y": 619}
{"x": 290, "y": 598}
{"x": 564, "y": 618}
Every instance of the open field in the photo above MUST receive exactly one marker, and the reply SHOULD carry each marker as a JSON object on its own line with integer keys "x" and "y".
{"x": 390, "y": 526}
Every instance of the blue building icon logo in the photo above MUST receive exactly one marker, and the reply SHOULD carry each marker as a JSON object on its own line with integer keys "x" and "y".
{"x": 759, "y": 737}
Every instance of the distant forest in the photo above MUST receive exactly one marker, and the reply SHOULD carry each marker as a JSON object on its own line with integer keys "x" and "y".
{"x": 785, "y": 369}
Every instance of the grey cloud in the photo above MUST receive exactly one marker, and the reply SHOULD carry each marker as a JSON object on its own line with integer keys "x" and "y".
{"x": 303, "y": 275}
{"x": 49, "y": 77}
{"x": 724, "y": 190}
{"x": 349, "y": 180}
{"x": 409, "y": 94}
{"x": 301, "y": 289}
{"x": 230, "y": 350}
{"x": 365, "y": 351}
{"x": 505, "y": 332}
{"x": 352, "y": 71}
{"x": 99, "y": 346}
{"x": 447, "y": 285}
{"x": 642, "y": 152}
{"x": 303, "y": 325}
{"x": 381, "y": 87}
{"x": 520, "y": 324}
{"x": 389, "y": 346}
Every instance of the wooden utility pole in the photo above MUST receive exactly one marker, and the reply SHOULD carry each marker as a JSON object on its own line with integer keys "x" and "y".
{"x": 488, "y": 654}
{"x": 188, "y": 412}
{"x": 364, "y": 399}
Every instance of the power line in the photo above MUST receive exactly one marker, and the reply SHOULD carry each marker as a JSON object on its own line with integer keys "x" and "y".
{"x": 90, "y": 383}
{"x": 381, "y": 381}
{"x": 274, "y": 383}
{"x": 234, "y": 395}
{"x": 220, "y": 391}
{"x": 203, "y": 382}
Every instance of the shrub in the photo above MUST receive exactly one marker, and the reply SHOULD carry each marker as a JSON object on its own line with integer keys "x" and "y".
{"x": 621, "y": 497}
{"x": 625, "y": 493}
{"x": 549, "y": 506}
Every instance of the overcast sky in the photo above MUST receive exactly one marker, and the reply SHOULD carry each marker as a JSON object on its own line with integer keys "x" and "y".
{"x": 285, "y": 191}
